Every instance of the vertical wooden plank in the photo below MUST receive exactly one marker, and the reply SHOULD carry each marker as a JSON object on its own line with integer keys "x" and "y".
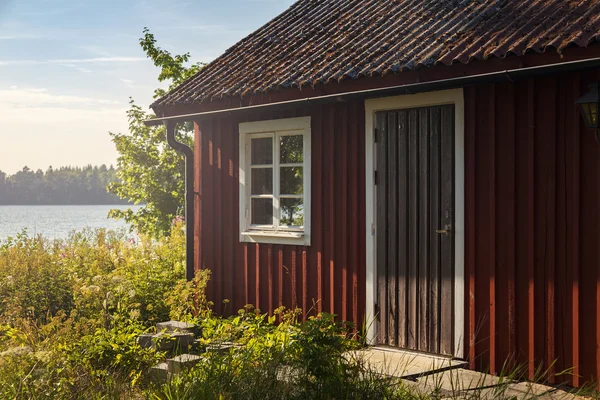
{"x": 317, "y": 203}
{"x": 391, "y": 228}
{"x": 413, "y": 230}
{"x": 332, "y": 206}
{"x": 575, "y": 178}
{"x": 293, "y": 303}
{"x": 218, "y": 227}
{"x": 198, "y": 158}
{"x": 492, "y": 233}
{"x": 280, "y": 276}
{"x": 470, "y": 206}
{"x": 342, "y": 206}
{"x": 257, "y": 277}
{"x": 551, "y": 244}
{"x": 354, "y": 194}
{"x": 381, "y": 240}
{"x": 597, "y": 243}
{"x": 209, "y": 214}
{"x": 270, "y": 279}
{"x": 403, "y": 210}
{"x": 511, "y": 221}
{"x": 531, "y": 229}
{"x": 447, "y": 218}
{"x": 304, "y": 282}
{"x": 229, "y": 229}
{"x": 360, "y": 249}
{"x": 246, "y": 275}
{"x": 434, "y": 238}
{"x": 423, "y": 235}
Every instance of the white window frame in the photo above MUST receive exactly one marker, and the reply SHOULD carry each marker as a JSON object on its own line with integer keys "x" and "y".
{"x": 275, "y": 233}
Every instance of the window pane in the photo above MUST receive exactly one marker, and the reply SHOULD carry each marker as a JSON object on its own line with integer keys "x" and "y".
{"x": 291, "y": 149}
{"x": 262, "y": 212}
{"x": 292, "y": 212}
{"x": 291, "y": 180}
{"x": 262, "y": 181}
{"x": 262, "y": 151}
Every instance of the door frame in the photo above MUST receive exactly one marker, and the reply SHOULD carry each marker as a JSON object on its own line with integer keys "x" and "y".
{"x": 428, "y": 99}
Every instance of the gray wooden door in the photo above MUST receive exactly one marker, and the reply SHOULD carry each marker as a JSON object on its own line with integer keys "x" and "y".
{"x": 415, "y": 220}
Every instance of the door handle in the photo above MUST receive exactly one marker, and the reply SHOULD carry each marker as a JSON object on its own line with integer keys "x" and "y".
{"x": 446, "y": 231}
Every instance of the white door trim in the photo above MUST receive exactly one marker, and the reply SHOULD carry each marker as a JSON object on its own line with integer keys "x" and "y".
{"x": 456, "y": 97}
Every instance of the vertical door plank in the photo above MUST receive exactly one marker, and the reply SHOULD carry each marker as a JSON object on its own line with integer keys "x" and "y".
{"x": 381, "y": 239}
{"x": 403, "y": 208}
{"x": 413, "y": 212}
{"x": 392, "y": 225}
{"x": 423, "y": 235}
{"x": 447, "y": 242}
{"x": 434, "y": 237}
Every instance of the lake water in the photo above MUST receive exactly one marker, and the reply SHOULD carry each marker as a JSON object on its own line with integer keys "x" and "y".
{"x": 56, "y": 222}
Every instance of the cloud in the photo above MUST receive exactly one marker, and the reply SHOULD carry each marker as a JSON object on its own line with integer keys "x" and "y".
{"x": 128, "y": 82}
{"x": 18, "y": 37}
{"x": 16, "y": 98}
{"x": 78, "y": 68}
{"x": 95, "y": 60}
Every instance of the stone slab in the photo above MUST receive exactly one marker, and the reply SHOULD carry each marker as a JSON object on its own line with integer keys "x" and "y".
{"x": 222, "y": 348}
{"x": 166, "y": 341}
{"x": 403, "y": 364}
{"x": 461, "y": 380}
{"x": 160, "y": 372}
{"x": 184, "y": 361}
{"x": 177, "y": 326}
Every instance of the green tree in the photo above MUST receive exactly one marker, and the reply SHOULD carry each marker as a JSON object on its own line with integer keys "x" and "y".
{"x": 149, "y": 170}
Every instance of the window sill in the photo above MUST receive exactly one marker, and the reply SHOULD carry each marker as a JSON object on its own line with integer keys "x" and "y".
{"x": 272, "y": 237}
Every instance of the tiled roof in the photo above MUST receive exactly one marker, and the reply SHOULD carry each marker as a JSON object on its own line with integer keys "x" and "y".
{"x": 321, "y": 41}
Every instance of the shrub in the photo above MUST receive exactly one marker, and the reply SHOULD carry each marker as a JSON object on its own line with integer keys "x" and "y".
{"x": 71, "y": 310}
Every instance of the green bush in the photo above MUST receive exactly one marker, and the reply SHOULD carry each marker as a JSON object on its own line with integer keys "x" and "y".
{"x": 71, "y": 310}
{"x": 70, "y": 313}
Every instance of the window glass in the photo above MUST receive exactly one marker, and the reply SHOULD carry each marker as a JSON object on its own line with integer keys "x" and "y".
{"x": 292, "y": 212}
{"x": 262, "y": 181}
{"x": 262, "y": 212}
{"x": 262, "y": 151}
{"x": 291, "y": 179}
{"x": 291, "y": 149}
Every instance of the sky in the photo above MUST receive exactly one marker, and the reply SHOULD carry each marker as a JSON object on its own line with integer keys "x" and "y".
{"x": 68, "y": 68}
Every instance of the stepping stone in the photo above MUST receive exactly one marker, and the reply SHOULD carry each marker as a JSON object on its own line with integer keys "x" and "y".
{"x": 166, "y": 341}
{"x": 177, "y": 326}
{"x": 184, "y": 361}
{"x": 222, "y": 348}
{"x": 160, "y": 372}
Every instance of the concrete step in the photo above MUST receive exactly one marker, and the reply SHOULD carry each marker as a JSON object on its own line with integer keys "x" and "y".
{"x": 179, "y": 327}
{"x": 160, "y": 372}
{"x": 182, "y": 362}
{"x": 178, "y": 342}
{"x": 221, "y": 347}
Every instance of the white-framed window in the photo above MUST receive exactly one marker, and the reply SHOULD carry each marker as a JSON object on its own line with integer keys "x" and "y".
{"x": 275, "y": 181}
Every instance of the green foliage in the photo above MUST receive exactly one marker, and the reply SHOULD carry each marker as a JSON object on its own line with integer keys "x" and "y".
{"x": 66, "y": 185}
{"x": 281, "y": 358}
{"x": 71, "y": 311}
{"x": 188, "y": 301}
{"x": 150, "y": 171}
{"x": 172, "y": 68}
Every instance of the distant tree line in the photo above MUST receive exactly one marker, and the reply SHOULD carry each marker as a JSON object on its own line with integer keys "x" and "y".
{"x": 63, "y": 186}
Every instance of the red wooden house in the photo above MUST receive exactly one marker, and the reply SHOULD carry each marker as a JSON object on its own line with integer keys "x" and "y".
{"x": 421, "y": 165}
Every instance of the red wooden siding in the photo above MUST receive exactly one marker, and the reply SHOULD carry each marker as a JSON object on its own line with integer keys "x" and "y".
{"x": 533, "y": 228}
{"x": 532, "y": 217}
{"x": 327, "y": 276}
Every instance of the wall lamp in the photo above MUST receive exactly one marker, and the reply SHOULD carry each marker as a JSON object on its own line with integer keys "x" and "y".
{"x": 589, "y": 104}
